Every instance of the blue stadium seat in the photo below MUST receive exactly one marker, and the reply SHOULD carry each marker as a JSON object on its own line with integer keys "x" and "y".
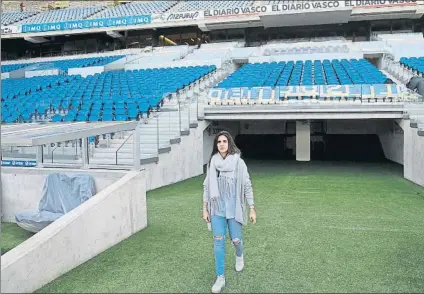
{"x": 63, "y": 65}
{"x": 308, "y": 73}
{"x": 114, "y": 95}
{"x": 8, "y": 18}
{"x": 414, "y": 63}
{"x": 64, "y": 14}
{"x": 135, "y": 8}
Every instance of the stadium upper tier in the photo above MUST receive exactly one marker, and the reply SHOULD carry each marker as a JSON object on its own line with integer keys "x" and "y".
{"x": 63, "y": 65}
{"x": 414, "y": 63}
{"x": 205, "y": 5}
{"x": 335, "y": 72}
{"x": 118, "y": 95}
{"x": 63, "y": 15}
{"x": 136, "y": 8}
{"x": 8, "y": 18}
{"x": 102, "y": 11}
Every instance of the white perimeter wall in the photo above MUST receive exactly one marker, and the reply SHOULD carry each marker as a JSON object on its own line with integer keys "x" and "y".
{"x": 183, "y": 162}
{"x": 39, "y": 73}
{"x": 86, "y": 71}
{"x": 413, "y": 168}
{"x": 112, "y": 215}
{"x": 22, "y": 188}
{"x": 391, "y": 137}
{"x": 178, "y": 63}
{"x": 304, "y": 57}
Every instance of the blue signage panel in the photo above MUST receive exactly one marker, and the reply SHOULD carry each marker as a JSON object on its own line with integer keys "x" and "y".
{"x": 22, "y": 163}
{"x": 284, "y": 92}
{"x": 87, "y": 24}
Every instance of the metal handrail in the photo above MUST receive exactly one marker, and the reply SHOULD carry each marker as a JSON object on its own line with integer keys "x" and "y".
{"x": 54, "y": 151}
{"x": 123, "y": 143}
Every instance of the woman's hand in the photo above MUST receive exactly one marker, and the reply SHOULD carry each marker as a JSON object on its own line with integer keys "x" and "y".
{"x": 205, "y": 216}
{"x": 252, "y": 215}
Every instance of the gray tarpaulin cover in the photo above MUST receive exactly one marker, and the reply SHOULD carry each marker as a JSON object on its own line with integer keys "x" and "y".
{"x": 61, "y": 194}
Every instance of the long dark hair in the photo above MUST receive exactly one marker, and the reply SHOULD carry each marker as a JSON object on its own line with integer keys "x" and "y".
{"x": 232, "y": 147}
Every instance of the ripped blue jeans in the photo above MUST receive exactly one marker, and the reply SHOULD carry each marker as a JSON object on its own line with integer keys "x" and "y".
{"x": 219, "y": 228}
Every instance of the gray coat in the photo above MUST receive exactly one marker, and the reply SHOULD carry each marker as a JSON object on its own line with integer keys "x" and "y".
{"x": 244, "y": 193}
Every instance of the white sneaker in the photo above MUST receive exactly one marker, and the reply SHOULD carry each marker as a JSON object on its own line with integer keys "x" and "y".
{"x": 219, "y": 284}
{"x": 239, "y": 263}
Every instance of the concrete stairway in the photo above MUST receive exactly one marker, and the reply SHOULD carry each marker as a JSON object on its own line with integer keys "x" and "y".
{"x": 157, "y": 134}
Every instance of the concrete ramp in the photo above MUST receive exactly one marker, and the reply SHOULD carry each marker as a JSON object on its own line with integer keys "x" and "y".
{"x": 112, "y": 215}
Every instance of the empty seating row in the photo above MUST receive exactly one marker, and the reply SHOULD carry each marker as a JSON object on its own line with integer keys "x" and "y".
{"x": 118, "y": 95}
{"x": 136, "y": 8}
{"x": 128, "y": 9}
{"x": 206, "y": 5}
{"x": 66, "y": 14}
{"x": 63, "y": 65}
{"x": 335, "y": 72}
{"x": 12, "y": 67}
{"x": 307, "y": 50}
{"x": 8, "y": 18}
{"x": 414, "y": 63}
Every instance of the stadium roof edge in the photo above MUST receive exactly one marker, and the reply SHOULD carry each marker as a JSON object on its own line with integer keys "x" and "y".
{"x": 346, "y": 14}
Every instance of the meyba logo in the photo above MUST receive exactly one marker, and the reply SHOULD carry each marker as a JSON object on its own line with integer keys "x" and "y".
{"x": 183, "y": 16}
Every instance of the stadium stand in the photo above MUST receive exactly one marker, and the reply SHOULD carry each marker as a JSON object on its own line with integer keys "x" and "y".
{"x": 414, "y": 63}
{"x": 110, "y": 96}
{"x": 136, "y": 8}
{"x": 8, "y": 18}
{"x": 204, "y": 5}
{"x": 63, "y": 65}
{"x": 156, "y": 108}
{"x": 307, "y": 73}
{"x": 63, "y": 15}
{"x": 12, "y": 67}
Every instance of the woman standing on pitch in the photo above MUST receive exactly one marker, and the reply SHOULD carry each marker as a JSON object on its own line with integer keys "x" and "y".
{"x": 227, "y": 188}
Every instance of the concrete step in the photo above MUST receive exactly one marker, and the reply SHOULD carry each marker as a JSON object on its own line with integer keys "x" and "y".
{"x": 146, "y": 140}
{"x": 129, "y": 148}
{"x": 145, "y": 159}
{"x": 112, "y": 155}
{"x": 164, "y": 126}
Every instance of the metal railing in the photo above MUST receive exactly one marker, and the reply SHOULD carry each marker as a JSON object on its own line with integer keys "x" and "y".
{"x": 119, "y": 148}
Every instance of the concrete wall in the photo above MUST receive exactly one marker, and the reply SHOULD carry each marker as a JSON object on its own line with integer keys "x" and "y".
{"x": 304, "y": 57}
{"x": 183, "y": 162}
{"x": 303, "y": 140}
{"x": 114, "y": 214}
{"x": 351, "y": 127}
{"x": 183, "y": 62}
{"x": 413, "y": 160}
{"x": 277, "y": 127}
{"x": 44, "y": 72}
{"x": 391, "y": 137}
{"x": 86, "y": 71}
{"x": 22, "y": 187}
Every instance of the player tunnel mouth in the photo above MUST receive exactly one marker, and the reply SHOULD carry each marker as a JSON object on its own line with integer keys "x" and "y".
{"x": 328, "y": 147}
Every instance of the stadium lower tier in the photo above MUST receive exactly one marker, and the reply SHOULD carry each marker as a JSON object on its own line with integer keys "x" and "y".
{"x": 109, "y": 96}
{"x": 326, "y": 72}
{"x": 62, "y": 65}
{"x": 414, "y": 63}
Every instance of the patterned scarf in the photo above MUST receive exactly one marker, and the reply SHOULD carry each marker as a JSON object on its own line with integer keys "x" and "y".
{"x": 227, "y": 169}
